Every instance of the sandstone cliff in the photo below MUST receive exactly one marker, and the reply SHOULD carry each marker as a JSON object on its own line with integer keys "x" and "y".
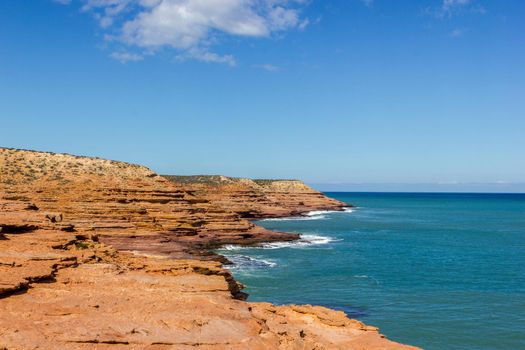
{"x": 258, "y": 198}
{"x": 98, "y": 254}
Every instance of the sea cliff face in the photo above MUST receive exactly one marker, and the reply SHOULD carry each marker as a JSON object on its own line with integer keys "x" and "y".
{"x": 256, "y": 199}
{"x": 98, "y": 254}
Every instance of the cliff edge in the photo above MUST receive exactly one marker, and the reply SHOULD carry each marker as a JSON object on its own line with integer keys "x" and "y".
{"x": 257, "y": 199}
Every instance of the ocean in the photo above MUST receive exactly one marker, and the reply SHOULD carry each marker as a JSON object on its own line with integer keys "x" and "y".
{"x": 439, "y": 271}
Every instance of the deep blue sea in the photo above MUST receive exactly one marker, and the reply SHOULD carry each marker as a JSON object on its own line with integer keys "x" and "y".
{"x": 440, "y": 271}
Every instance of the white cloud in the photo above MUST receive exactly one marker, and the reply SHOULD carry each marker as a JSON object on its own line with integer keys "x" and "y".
{"x": 126, "y": 56}
{"x": 268, "y": 67}
{"x": 368, "y": 3}
{"x": 450, "y": 4}
{"x": 449, "y": 8}
{"x": 192, "y": 26}
{"x": 105, "y": 10}
{"x": 206, "y": 56}
{"x": 456, "y": 33}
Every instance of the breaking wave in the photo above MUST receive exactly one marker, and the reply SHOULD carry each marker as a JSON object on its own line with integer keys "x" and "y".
{"x": 313, "y": 215}
{"x": 298, "y": 218}
{"x": 306, "y": 240}
{"x": 320, "y": 212}
{"x": 247, "y": 262}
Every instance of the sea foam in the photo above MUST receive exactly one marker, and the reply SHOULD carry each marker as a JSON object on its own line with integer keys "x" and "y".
{"x": 312, "y": 215}
{"x": 298, "y": 218}
{"x": 247, "y": 262}
{"x": 306, "y": 240}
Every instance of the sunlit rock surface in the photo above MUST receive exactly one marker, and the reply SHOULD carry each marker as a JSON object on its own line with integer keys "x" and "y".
{"x": 258, "y": 198}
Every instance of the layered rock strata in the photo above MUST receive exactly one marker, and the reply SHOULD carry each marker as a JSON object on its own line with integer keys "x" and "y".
{"x": 256, "y": 199}
{"x": 97, "y": 254}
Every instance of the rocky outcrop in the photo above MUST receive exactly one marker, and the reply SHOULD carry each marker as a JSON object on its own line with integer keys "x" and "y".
{"x": 255, "y": 199}
{"x": 97, "y": 254}
{"x": 121, "y": 202}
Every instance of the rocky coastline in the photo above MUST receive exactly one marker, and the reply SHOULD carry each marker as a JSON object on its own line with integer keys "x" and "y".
{"x": 258, "y": 198}
{"x": 100, "y": 254}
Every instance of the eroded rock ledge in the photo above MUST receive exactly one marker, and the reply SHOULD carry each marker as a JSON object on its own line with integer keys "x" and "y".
{"x": 98, "y": 254}
{"x": 256, "y": 199}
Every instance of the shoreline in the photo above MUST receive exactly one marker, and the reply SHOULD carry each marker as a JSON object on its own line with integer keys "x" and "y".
{"x": 97, "y": 252}
{"x": 227, "y": 262}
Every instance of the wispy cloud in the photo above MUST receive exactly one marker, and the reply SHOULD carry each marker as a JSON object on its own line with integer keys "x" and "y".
{"x": 368, "y": 3}
{"x": 206, "y": 56}
{"x": 451, "y": 4}
{"x": 456, "y": 33}
{"x": 126, "y": 57}
{"x": 449, "y": 8}
{"x": 268, "y": 67}
{"x": 192, "y": 27}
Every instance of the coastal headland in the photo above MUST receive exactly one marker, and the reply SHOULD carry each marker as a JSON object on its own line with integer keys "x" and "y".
{"x": 259, "y": 198}
{"x": 100, "y": 254}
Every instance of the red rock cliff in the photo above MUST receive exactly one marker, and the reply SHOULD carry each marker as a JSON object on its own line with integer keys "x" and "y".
{"x": 258, "y": 198}
{"x": 98, "y": 254}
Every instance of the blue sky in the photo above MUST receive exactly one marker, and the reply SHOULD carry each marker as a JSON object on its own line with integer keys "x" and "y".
{"x": 333, "y": 92}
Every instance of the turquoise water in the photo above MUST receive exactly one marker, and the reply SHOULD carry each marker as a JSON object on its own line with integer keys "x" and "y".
{"x": 441, "y": 271}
